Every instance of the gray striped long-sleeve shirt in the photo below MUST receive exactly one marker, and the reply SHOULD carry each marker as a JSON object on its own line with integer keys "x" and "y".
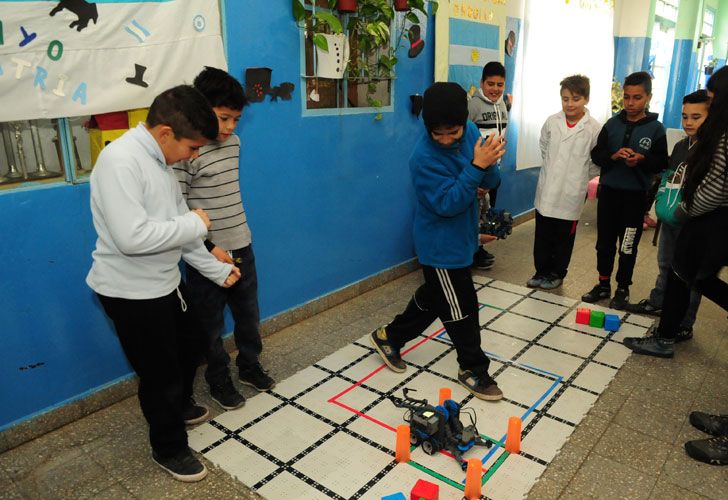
{"x": 712, "y": 192}
{"x": 211, "y": 182}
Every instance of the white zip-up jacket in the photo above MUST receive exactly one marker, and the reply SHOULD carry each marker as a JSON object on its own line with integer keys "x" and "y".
{"x": 567, "y": 166}
{"x": 143, "y": 223}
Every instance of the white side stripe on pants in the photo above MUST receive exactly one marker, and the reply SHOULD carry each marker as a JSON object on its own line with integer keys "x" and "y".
{"x": 450, "y": 296}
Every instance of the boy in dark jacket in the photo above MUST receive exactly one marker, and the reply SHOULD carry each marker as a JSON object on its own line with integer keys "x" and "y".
{"x": 630, "y": 149}
{"x": 448, "y": 164}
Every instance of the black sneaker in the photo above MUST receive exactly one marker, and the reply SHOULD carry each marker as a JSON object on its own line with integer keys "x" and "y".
{"x": 684, "y": 333}
{"x": 257, "y": 377}
{"x": 389, "y": 354}
{"x": 481, "y": 259}
{"x": 482, "y": 386}
{"x": 183, "y": 466}
{"x": 599, "y": 292}
{"x": 226, "y": 395}
{"x": 651, "y": 346}
{"x": 194, "y": 413}
{"x": 715, "y": 425}
{"x": 644, "y": 306}
{"x": 713, "y": 451}
{"x": 620, "y": 299}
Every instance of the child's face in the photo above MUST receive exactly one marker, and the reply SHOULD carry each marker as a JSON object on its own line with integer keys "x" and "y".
{"x": 179, "y": 149}
{"x": 493, "y": 87}
{"x": 573, "y": 105}
{"x": 447, "y": 135}
{"x": 693, "y": 116}
{"x": 227, "y": 120}
{"x": 635, "y": 100}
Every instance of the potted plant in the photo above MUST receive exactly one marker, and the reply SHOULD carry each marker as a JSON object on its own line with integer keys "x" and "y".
{"x": 401, "y": 5}
{"x": 346, "y": 5}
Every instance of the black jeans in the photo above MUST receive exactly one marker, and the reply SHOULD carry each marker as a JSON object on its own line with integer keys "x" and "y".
{"x": 163, "y": 343}
{"x": 447, "y": 294}
{"x": 210, "y": 300}
{"x": 677, "y": 300}
{"x": 619, "y": 221}
{"x": 553, "y": 244}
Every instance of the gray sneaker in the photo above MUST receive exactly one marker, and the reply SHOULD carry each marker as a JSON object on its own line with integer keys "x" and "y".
{"x": 482, "y": 386}
{"x": 551, "y": 282}
{"x": 389, "y": 354}
{"x": 535, "y": 282}
{"x": 651, "y": 346}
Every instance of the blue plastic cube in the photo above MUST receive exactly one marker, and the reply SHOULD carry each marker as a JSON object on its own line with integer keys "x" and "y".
{"x": 395, "y": 496}
{"x": 612, "y": 322}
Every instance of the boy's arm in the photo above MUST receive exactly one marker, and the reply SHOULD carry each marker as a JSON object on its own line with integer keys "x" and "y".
{"x": 120, "y": 196}
{"x": 600, "y": 154}
{"x": 196, "y": 255}
{"x": 594, "y": 169}
{"x": 444, "y": 195}
{"x": 544, "y": 140}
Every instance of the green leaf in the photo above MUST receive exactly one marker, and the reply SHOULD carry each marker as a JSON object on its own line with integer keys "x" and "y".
{"x": 299, "y": 13}
{"x": 320, "y": 41}
{"x": 378, "y": 116}
{"x": 435, "y": 5}
{"x": 331, "y": 20}
{"x": 412, "y": 17}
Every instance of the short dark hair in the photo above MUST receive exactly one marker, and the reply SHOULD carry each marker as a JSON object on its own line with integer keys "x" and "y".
{"x": 444, "y": 104}
{"x": 577, "y": 85}
{"x": 220, "y": 88}
{"x": 493, "y": 68}
{"x": 186, "y": 111}
{"x": 640, "y": 78}
{"x": 697, "y": 97}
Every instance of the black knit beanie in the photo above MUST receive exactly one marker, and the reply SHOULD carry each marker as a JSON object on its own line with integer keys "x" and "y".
{"x": 445, "y": 104}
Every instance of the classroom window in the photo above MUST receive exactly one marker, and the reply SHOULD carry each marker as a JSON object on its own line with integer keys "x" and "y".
{"x": 363, "y": 86}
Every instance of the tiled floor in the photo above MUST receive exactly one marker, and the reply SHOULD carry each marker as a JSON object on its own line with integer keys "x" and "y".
{"x": 628, "y": 446}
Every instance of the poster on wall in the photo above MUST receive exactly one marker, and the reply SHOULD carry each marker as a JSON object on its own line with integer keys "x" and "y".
{"x": 74, "y": 57}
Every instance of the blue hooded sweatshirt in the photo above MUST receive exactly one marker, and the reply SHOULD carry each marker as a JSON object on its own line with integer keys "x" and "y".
{"x": 446, "y": 215}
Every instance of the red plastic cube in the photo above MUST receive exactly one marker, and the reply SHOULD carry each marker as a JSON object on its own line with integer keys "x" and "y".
{"x": 582, "y": 315}
{"x": 425, "y": 490}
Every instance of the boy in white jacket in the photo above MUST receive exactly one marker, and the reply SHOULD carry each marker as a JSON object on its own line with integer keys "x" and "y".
{"x": 567, "y": 139}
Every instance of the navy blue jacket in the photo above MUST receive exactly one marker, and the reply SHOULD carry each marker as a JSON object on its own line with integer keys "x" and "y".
{"x": 645, "y": 136}
{"x": 446, "y": 215}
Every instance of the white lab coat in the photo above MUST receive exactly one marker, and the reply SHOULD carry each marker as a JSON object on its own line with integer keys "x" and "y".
{"x": 567, "y": 166}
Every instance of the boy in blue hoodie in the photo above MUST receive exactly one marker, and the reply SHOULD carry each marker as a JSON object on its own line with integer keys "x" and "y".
{"x": 630, "y": 149}
{"x": 448, "y": 164}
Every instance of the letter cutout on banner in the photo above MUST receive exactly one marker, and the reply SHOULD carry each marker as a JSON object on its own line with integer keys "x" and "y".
{"x": 59, "y": 88}
{"x": 80, "y": 93}
{"x": 40, "y": 75}
{"x": 20, "y": 68}
{"x": 55, "y": 55}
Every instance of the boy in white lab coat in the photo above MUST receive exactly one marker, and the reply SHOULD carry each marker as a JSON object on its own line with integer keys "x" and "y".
{"x": 567, "y": 139}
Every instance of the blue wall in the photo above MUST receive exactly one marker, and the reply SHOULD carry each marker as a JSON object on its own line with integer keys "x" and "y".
{"x": 683, "y": 62}
{"x": 328, "y": 198}
{"x": 630, "y": 54}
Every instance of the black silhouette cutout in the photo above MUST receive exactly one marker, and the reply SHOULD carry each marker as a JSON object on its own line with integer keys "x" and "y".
{"x": 85, "y": 11}
{"x": 284, "y": 91}
{"x": 417, "y": 101}
{"x": 138, "y": 78}
{"x": 416, "y": 43}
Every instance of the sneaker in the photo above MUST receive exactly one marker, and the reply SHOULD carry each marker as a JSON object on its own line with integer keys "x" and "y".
{"x": 713, "y": 451}
{"x": 715, "y": 425}
{"x": 481, "y": 261}
{"x": 482, "y": 386}
{"x": 183, "y": 466}
{"x": 389, "y": 354}
{"x": 536, "y": 281}
{"x": 551, "y": 282}
{"x": 599, "y": 292}
{"x": 226, "y": 395}
{"x": 644, "y": 306}
{"x": 487, "y": 255}
{"x": 648, "y": 222}
{"x": 651, "y": 346}
{"x": 194, "y": 413}
{"x": 257, "y": 377}
{"x": 684, "y": 333}
{"x": 620, "y": 299}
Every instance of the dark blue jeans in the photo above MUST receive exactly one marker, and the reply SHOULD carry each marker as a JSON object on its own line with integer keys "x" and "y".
{"x": 665, "y": 254}
{"x": 209, "y": 302}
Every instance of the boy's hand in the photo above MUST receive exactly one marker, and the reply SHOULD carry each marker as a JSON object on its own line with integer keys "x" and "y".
{"x": 623, "y": 154}
{"x": 232, "y": 278}
{"x": 203, "y": 215}
{"x": 633, "y": 160}
{"x": 222, "y": 255}
{"x": 487, "y": 238}
{"x": 487, "y": 151}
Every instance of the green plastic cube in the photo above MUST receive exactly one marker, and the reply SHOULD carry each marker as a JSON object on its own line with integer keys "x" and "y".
{"x": 596, "y": 319}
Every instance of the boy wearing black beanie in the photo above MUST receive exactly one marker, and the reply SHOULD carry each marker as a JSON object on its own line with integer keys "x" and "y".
{"x": 448, "y": 164}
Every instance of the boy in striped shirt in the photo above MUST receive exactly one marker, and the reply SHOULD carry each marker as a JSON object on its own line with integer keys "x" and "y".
{"x": 211, "y": 182}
